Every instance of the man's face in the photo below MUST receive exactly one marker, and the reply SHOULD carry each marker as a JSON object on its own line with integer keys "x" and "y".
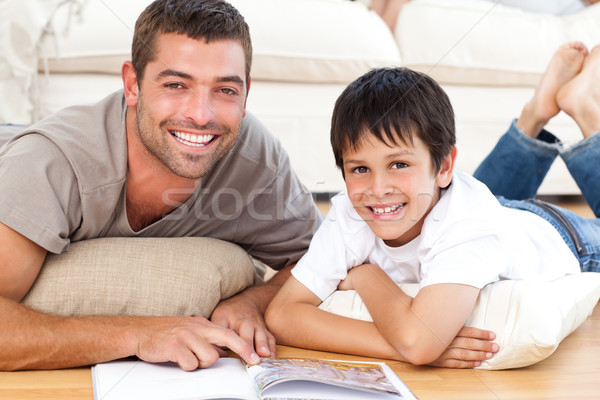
{"x": 191, "y": 102}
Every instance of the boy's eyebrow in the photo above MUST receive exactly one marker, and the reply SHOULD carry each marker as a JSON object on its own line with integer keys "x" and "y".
{"x": 179, "y": 74}
{"x": 396, "y": 154}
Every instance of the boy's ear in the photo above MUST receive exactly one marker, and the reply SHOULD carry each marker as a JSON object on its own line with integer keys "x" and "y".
{"x": 444, "y": 176}
{"x": 130, "y": 83}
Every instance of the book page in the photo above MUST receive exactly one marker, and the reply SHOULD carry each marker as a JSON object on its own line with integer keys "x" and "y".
{"x": 326, "y": 379}
{"x": 126, "y": 380}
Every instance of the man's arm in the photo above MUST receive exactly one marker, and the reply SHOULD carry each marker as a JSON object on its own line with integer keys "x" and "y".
{"x": 33, "y": 340}
{"x": 244, "y": 313}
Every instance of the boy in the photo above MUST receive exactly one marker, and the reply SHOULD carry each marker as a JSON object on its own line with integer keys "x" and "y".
{"x": 407, "y": 217}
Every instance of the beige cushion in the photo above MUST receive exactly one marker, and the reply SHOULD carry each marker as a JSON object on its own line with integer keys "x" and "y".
{"x": 141, "y": 276}
{"x": 483, "y": 42}
{"x": 529, "y": 318}
{"x": 294, "y": 41}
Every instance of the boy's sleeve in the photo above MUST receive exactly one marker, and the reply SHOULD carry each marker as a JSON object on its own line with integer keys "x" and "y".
{"x": 332, "y": 252}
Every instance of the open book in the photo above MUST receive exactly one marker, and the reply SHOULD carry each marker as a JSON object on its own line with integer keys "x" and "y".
{"x": 230, "y": 378}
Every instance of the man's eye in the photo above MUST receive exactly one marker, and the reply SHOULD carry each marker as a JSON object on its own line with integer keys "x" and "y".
{"x": 229, "y": 91}
{"x": 174, "y": 85}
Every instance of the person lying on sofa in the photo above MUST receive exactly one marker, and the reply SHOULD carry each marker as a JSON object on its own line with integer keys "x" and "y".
{"x": 174, "y": 154}
{"x": 407, "y": 217}
{"x": 388, "y": 10}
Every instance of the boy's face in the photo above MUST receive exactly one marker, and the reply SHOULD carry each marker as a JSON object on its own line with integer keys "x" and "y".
{"x": 394, "y": 188}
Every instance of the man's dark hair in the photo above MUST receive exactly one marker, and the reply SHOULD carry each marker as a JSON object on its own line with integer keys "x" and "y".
{"x": 210, "y": 20}
{"x": 393, "y": 104}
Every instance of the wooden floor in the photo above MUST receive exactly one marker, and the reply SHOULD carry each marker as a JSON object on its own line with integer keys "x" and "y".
{"x": 572, "y": 372}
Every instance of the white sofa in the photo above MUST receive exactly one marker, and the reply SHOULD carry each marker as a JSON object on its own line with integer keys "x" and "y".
{"x": 488, "y": 58}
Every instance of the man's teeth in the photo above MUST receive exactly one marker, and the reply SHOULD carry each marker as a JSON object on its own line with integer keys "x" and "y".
{"x": 386, "y": 210}
{"x": 193, "y": 140}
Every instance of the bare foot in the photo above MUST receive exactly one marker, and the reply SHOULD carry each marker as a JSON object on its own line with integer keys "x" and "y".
{"x": 388, "y": 10}
{"x": 580, "y": 97}
{"x": 564, "y": 66}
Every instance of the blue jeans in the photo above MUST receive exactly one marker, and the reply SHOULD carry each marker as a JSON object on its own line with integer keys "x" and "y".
{"x": 515, "y": 169}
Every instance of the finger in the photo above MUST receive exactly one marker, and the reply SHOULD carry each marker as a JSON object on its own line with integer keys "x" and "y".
{"x": 206, "y": 355}
{"x": 474, "y": 344}
{"x": 272, "y": 344}
{"x": 261, "y": 342}
{"x": 451, "y": 363}
{"x": 186, "y": 359}
{"x": 476, "y": 333}
{"x": 246, "y": 332}
{"x": 468, "y": 355}
{"x": 227, "y": 338}
{"x": 220, "y": 351}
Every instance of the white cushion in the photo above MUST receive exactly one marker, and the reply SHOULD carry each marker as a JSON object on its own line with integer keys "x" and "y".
{"x": 22, "y": 24}
{"x": 297, "y": 41}
{"x": 529, "y": 318}
{"x": 483, "y": 42}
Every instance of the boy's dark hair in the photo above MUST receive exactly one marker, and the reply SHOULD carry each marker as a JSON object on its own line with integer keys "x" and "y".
{"x": 393, "y": 104}
{"x": 211, "y": 20}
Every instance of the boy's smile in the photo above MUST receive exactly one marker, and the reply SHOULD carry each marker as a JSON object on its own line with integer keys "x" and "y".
{"x": 393, "y": 187}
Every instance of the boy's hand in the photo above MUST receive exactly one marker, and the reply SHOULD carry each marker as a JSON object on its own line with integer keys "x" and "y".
{"x": 469, "y": 348}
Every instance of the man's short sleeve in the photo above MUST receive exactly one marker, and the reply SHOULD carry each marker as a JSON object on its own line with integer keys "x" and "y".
{"x": 39, "y": 197}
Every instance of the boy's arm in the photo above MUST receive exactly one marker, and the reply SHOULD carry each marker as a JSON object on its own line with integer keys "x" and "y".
{"x": 295, "y": 319}
{"x": 429, "y": 322}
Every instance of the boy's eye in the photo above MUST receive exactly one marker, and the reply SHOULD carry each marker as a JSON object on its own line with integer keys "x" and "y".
{"x": 361, "y": 170}
{"x": 399, "y": 165}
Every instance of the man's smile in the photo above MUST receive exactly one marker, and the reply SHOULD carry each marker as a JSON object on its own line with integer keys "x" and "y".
{"x": 193, "y": 140}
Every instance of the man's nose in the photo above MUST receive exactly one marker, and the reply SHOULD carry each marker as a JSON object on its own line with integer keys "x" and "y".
{"x": 198, "y": 108}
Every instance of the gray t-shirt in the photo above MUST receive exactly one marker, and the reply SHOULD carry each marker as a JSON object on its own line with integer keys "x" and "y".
{"x": 64, "y": 180}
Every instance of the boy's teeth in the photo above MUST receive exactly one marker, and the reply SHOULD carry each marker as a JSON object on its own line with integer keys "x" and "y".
{"x": 386, "y": 210}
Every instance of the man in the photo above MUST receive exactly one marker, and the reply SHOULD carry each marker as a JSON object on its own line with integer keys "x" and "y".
{"x": 152, "y": 160}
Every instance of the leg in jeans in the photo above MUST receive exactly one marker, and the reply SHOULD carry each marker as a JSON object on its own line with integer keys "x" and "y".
{"x": 517, "y": 165}
{"x": 580, "y": 98}
{"x": 522, "y": 157}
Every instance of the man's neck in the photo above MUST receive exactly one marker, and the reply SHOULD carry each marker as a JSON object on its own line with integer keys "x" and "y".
{"x": 152, "y": 189}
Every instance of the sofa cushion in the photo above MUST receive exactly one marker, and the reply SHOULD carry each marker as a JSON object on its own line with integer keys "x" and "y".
{"x": 482, "y": 42}
{"x": 529, "y": 318}
{"x": 296, "y": 41}
{"x": 141, "y": 276}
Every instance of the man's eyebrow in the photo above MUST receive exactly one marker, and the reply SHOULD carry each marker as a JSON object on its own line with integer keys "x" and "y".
{"x": 231, "y": 78}
{"x": 171, "y": 72}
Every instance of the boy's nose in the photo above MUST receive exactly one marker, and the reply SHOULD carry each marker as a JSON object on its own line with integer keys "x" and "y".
{"x": 380, "y": 186}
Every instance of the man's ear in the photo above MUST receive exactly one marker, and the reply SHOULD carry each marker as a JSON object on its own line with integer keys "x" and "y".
{"x": 130, "y": 83}
{"x": 247, "y": 92}
{"x": 444, "y": 176}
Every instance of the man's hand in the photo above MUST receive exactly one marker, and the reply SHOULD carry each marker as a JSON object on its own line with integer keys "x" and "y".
{"x": 469, "y": 348}
{"x": 191, "y": 342}
{"x": 241, "y": 314}
{"x": 244, "y": 313}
